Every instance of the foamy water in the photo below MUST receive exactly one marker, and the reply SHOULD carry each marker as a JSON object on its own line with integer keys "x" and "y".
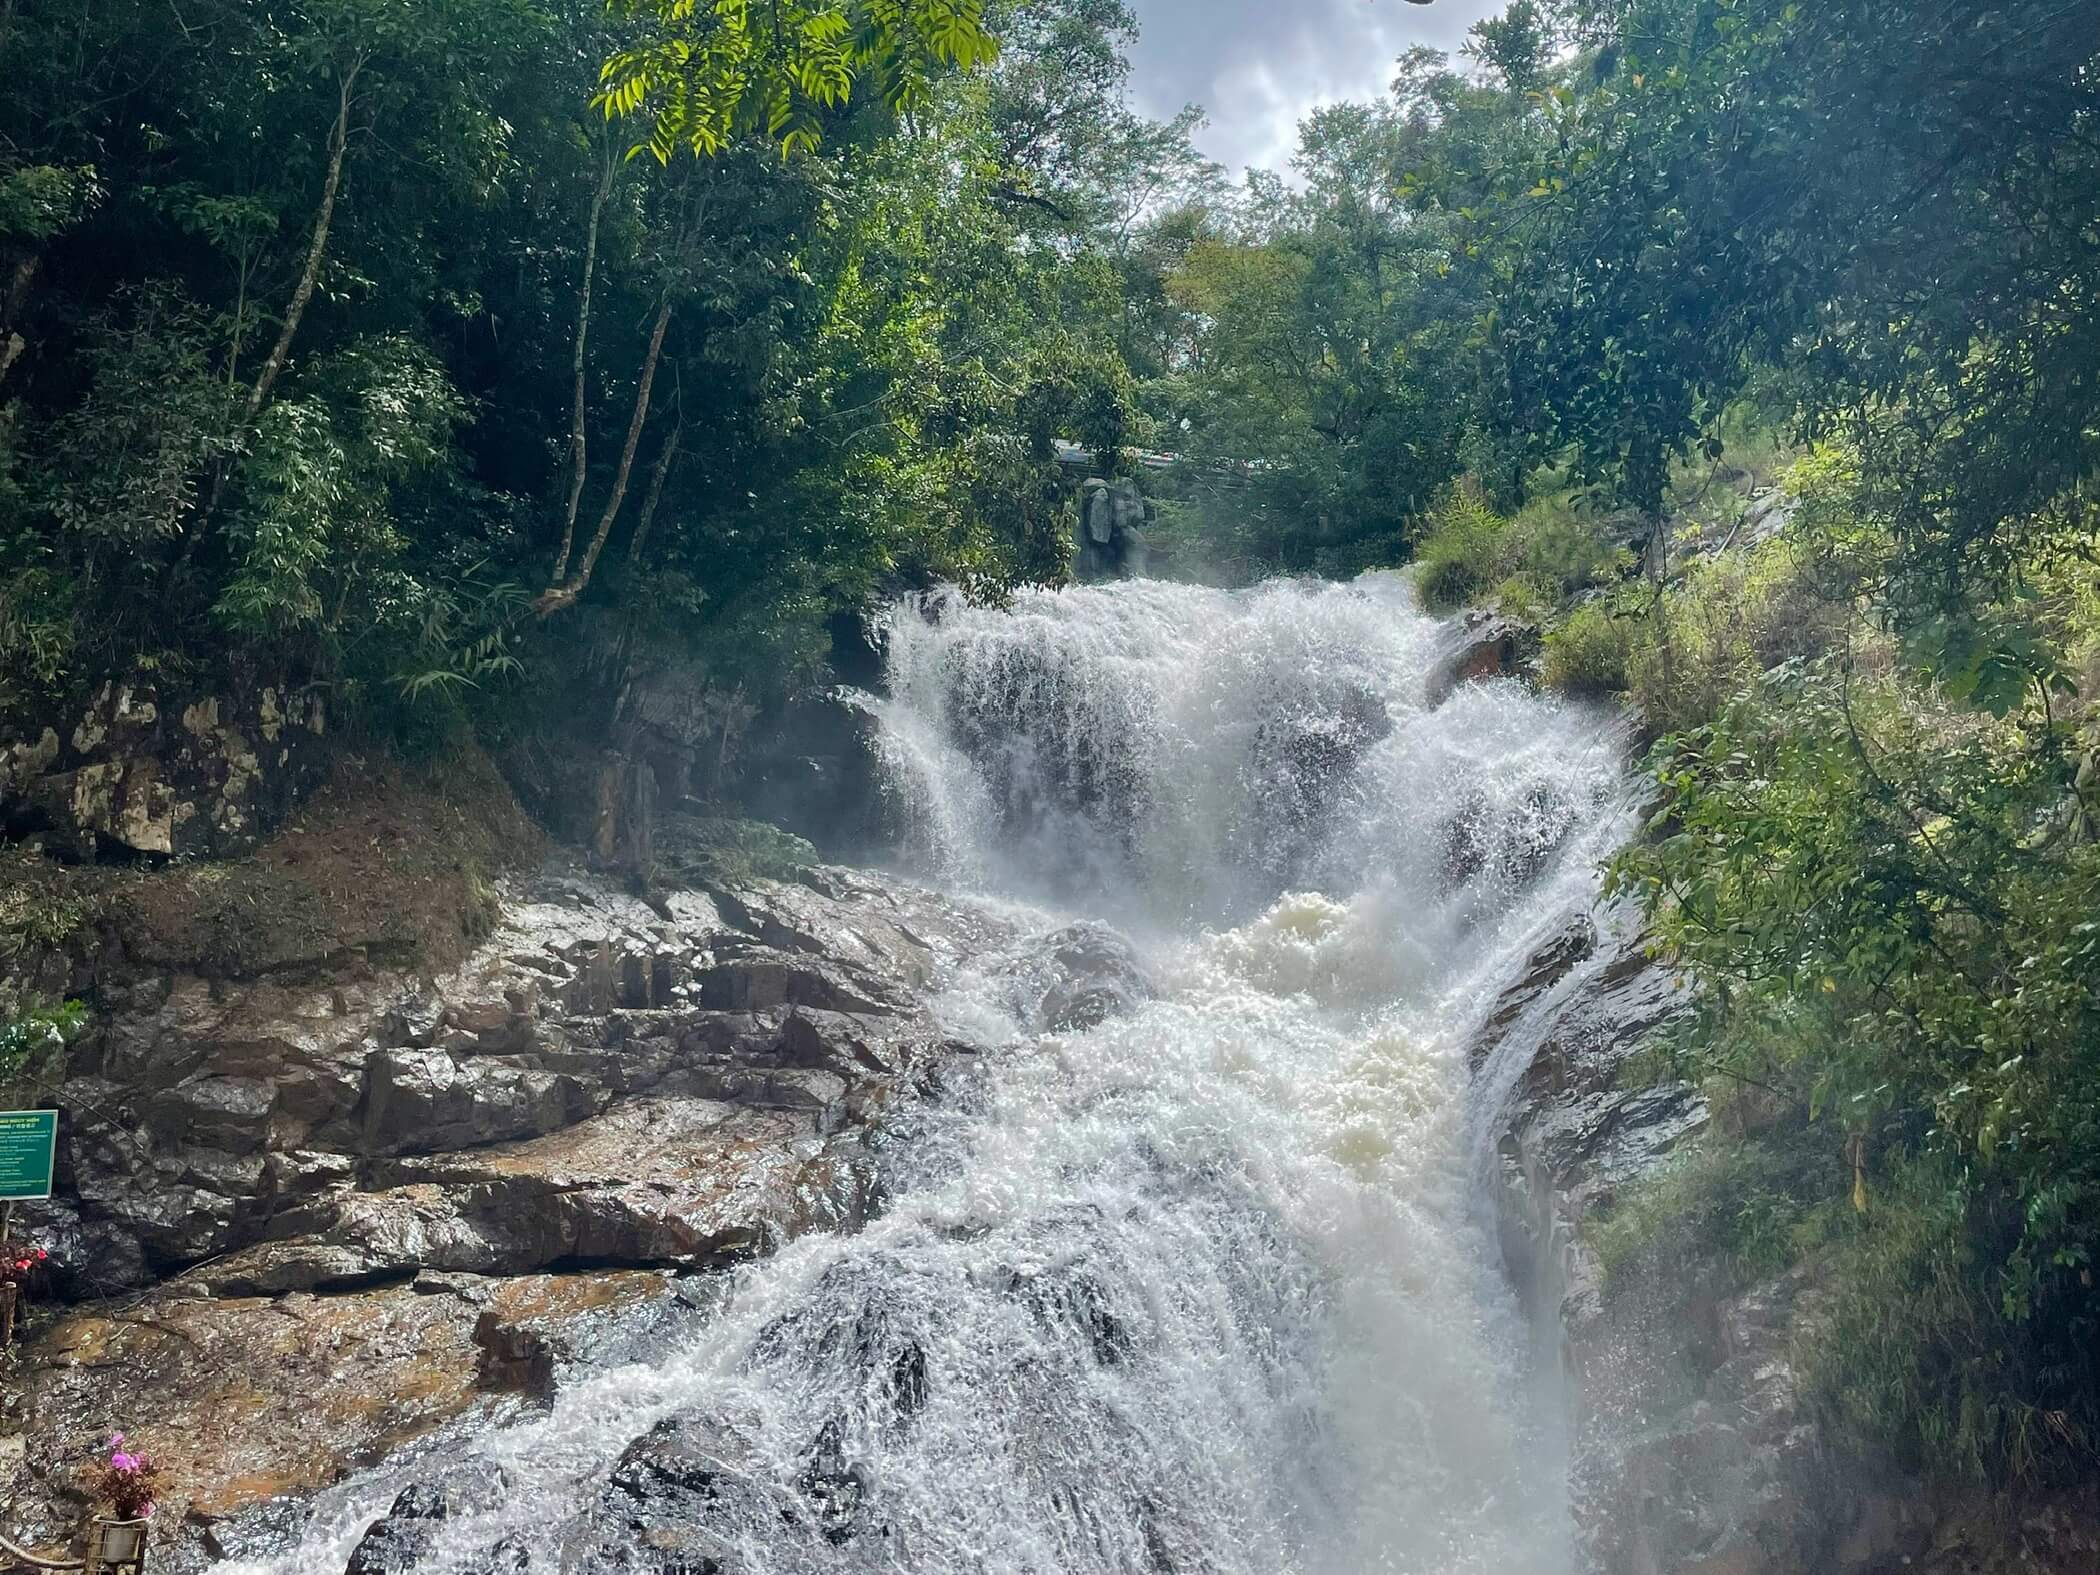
{"x": 1207, "y": 1287}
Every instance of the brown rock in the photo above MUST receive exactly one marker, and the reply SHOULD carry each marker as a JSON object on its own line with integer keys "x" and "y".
{"x": 245, "y": 1399}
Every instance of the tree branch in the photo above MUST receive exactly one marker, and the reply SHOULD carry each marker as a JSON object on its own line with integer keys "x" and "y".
{"x": 579, "y": 441}
{"x": 310, "y": 276}
{"x": 560, "y": 597}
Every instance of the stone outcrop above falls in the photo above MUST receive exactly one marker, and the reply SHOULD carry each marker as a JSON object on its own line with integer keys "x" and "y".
{"x": 143, "y": 770}
{"x": 1112, "y": 519}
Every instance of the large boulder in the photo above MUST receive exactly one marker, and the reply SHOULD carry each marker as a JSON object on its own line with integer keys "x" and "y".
{"x": 322, "y": 1135}
{"x": 142, "y": 769}
{"x": 354, "y": 1208}
{"x": 1487, "y": 645}
{"x": 1098, "y": 976}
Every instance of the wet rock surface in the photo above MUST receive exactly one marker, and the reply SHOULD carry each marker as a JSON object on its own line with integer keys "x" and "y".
{"x": 1489, "y": 646}
{"x": 244, "y": 1400}
{"x": 405, "y": 1538}
{"x": 1087, "y": 974}
{"x": 321, "y": 1217}
{"x": 315, "y": 1137}
{"x": 1694, "y": 1445}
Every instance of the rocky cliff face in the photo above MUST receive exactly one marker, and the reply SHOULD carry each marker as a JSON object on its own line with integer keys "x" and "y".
{"x": 1694, "y": 1447}
{"x": 322, "y": 1218}
{"x": 141, "y": 769}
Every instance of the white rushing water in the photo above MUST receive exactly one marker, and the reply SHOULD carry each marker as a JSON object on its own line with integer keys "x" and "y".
{"x": 1209, "y": 1286}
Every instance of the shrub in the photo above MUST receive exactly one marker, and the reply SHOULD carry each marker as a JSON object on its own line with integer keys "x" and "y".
{"x": 32, "y": 1036}
{"x": 1888, "y": 903}
{"x": 1588, "y": 654}
{"x": 1528, "y": 564}
{"x": 1750, "y": 1205}
{"x": 1921, "y": 1351}
{"x": 1462, "y": 552}
{"x": 1736, "y": 616}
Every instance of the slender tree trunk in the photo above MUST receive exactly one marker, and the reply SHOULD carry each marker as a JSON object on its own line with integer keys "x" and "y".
{"x": 10, "y": 349}
{"x": 579, "y": 441}
{"x": 240, "y": 316}
{"x": 562, "y": 596}
{"x": 662, "y": 474}
{"x": 310, "y": 276}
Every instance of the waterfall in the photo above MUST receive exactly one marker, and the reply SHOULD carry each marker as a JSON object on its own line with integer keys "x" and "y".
{"x": 1206, "y": 1285}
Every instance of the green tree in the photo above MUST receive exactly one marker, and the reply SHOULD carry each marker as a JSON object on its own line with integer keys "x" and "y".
{"x": 705, "y": 73}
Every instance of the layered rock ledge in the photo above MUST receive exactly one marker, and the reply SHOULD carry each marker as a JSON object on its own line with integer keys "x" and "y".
{"x": 316, "y": 1220}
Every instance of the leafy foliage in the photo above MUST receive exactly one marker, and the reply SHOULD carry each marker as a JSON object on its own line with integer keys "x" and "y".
{"x": 32, "y": 1036}
{"x": 319, "y": 317}
{"x": 709, "y": 72}
{"x": 1890, "y": 902}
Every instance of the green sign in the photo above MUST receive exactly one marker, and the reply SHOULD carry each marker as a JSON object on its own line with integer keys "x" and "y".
{"x": 28, "y": 1152}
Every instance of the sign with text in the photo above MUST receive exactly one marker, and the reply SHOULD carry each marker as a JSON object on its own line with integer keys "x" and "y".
{"x": 28, "y": 1153}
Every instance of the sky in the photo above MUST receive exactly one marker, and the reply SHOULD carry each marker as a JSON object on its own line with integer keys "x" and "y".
{"x": 1259, "y": 65}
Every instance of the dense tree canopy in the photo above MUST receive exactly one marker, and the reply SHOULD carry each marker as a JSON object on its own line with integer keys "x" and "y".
{"x": 346, "y": 336}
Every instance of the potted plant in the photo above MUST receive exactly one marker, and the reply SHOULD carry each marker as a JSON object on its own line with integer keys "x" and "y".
{"x": 127, "y": 1485}
{"x": 18, "y": 1262}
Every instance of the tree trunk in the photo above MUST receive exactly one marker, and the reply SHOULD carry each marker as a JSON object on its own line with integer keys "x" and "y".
{"x": 662, "y": 474}
{"x": 310, "y": 276}
{"x": 579, "y": 442}
{"x": 1659, "y": 608}
{"x": 558, "y": 598}
{"x": 10, "y": 349}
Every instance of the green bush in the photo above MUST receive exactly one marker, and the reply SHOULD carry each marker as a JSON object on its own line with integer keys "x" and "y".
{"x": 1920, "y": 1349}
{"x": 1750, "y": 1206}
{"x": 1463, "y": 550}
{"x": 1888, "y": 904}
{"x": 1735, "y": 616}
{"x": 1528, "y": 564}
{"x": 1589, "y": 653}
{"x": 31, "y": 1035}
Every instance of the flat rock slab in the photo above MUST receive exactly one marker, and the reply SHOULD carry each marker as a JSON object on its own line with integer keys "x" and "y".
{"x": 242, "y": 1400}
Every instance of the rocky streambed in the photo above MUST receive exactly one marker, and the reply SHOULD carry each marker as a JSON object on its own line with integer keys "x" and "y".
{"x": 320, "y": 1219}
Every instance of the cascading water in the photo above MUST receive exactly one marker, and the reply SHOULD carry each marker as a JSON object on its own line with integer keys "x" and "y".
{"x": 1205, "y": 1286}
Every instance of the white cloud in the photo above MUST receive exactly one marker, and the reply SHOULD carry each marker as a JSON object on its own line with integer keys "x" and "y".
{"x": 1258, "y": 66}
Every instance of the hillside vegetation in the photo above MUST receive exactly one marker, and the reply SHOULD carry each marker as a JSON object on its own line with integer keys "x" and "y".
{"x": 1752, "y": 345}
